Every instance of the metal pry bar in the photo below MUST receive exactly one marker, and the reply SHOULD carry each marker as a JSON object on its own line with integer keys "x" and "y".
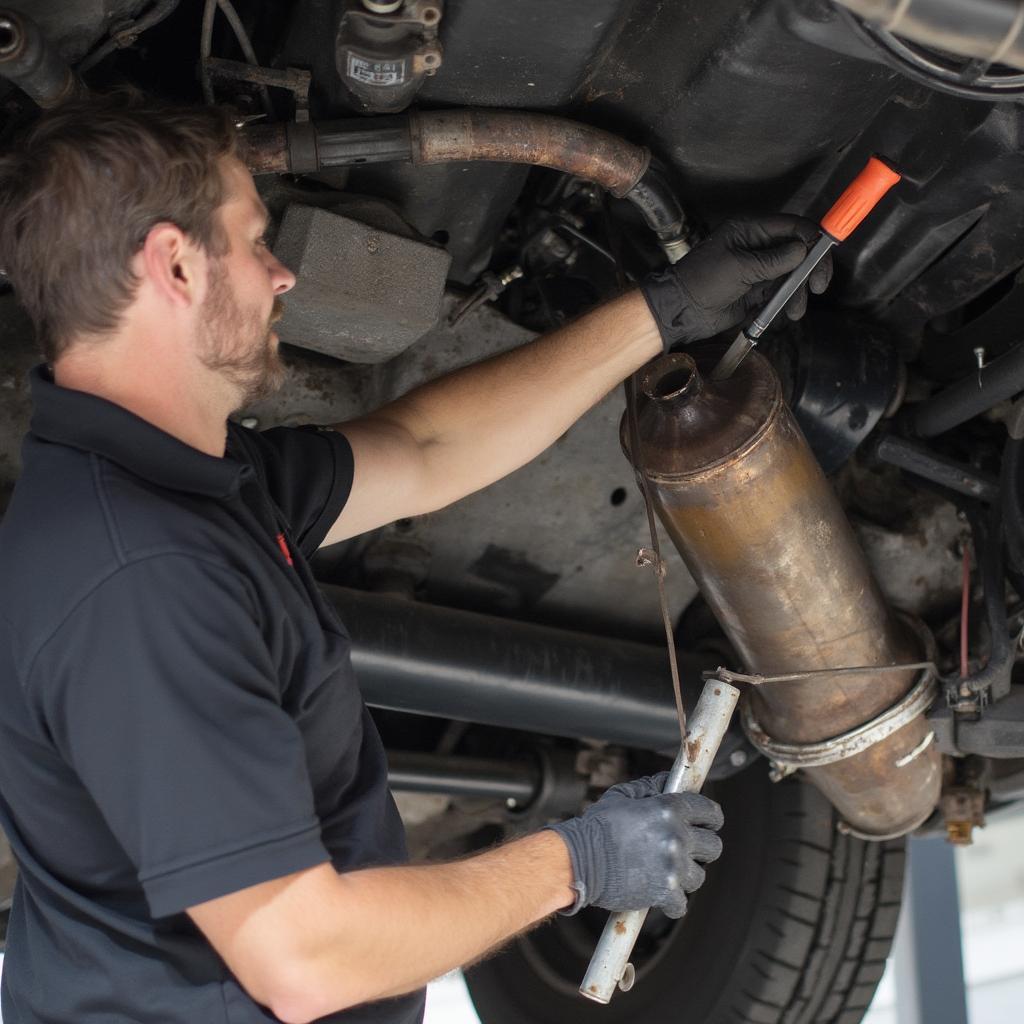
{"x": 610, "y": 966}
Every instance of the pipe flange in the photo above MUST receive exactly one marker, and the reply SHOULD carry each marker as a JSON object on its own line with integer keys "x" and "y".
{"x": 789, "y": 757}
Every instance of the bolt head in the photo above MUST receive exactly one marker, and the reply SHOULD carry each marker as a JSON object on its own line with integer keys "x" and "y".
{"x": 738, "y": 758}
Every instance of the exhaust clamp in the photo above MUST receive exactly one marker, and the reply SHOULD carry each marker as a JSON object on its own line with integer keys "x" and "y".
{"x": 787, "y": 758}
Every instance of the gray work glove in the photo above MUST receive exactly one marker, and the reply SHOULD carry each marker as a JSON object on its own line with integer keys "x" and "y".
{"x": 727, "y": 278}
{"x": 638, "y": 847}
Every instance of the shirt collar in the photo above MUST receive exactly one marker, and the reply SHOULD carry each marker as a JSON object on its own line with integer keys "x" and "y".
{"x": 92, "y": 424}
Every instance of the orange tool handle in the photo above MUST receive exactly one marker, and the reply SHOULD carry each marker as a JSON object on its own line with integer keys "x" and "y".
{"x": 859, "y": 199}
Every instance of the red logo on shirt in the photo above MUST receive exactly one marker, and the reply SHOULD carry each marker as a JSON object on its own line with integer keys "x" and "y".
{"x": 283, "y": 545}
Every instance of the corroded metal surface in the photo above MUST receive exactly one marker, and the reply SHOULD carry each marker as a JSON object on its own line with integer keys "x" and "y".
{"x": 764, "y": 536}
{"x": 265, "y": 148}
{"x": 527, "y": 138}
{"x": 443, "y": 136}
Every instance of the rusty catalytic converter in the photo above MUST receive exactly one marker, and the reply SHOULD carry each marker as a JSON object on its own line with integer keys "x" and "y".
{"x": 763, "y": 534}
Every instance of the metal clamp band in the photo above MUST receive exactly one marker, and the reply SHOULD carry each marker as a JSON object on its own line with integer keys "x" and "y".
{"x": 791, "y": 756}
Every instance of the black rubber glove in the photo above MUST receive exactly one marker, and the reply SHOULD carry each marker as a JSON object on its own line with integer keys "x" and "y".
{"x": 638, "y": 847}
{"x": 727, "y": 278}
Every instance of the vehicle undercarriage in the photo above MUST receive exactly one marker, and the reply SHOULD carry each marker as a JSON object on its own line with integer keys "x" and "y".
{"x": 451, "y": 179}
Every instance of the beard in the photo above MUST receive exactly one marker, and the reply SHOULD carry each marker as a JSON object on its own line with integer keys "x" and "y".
{"x": 237, "y": 343}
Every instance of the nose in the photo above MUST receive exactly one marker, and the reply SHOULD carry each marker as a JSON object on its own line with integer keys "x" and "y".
{"x": 281, "y": 277}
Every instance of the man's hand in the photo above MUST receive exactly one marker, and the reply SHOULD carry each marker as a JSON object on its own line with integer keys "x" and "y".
{"x": 726, "y": 278}
{"x": 638, "y": 847}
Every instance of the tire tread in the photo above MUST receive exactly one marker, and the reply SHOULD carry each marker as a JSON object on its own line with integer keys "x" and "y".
{"x": 833, "y": 963}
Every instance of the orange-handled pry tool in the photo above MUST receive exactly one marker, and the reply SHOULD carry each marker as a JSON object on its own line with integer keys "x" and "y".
{"x": 859, "y": 199}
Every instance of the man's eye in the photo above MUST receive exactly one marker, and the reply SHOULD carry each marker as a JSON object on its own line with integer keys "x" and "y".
{"x": 262, "y": 240}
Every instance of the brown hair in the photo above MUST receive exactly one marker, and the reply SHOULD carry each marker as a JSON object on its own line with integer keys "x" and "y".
{"x": 80, "y": 193}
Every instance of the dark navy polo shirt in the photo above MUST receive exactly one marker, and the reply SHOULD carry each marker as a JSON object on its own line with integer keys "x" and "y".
{"x": 179, "y": 714}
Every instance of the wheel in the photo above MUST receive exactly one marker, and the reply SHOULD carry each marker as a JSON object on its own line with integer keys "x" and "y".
{"x": 792, "y": 926}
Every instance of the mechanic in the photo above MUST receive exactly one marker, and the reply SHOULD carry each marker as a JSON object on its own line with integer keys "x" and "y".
{"x": 191, "y": 784}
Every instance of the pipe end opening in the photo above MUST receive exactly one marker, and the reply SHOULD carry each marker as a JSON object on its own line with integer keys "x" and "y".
{"x": 672, "y": 378}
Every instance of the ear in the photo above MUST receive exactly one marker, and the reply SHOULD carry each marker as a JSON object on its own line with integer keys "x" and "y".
{"x": 173, "y": 265}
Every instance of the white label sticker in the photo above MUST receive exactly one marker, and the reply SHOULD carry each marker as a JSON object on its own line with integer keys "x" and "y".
{"x": 376, "y": 72}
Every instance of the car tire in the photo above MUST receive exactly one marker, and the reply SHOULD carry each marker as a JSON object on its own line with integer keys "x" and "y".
{"x": 792, "y": 926}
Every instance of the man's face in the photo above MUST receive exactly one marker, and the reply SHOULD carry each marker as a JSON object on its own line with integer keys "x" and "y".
{"x": 234, "y": 335}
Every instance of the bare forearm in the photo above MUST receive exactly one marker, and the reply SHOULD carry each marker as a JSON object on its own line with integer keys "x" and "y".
{"x": 481, "y": 423}
{"x": 391, "y": 930}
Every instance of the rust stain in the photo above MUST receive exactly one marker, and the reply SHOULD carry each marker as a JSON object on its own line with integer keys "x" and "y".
{"x": 718, "y": 693}
{"x": 752, "y": 514}
{"x": 521, "y": 137}
{"x": 620, "y": 927}
{"x": 266, "y": 149}
{"x": 592, "y": 988}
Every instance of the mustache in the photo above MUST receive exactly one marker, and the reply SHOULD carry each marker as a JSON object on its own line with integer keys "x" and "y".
{"x": 277, "y": 311}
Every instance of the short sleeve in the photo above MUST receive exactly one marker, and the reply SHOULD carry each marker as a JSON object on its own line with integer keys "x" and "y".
{"x": 308, "y": 473}
{"x": 161, "y": 694}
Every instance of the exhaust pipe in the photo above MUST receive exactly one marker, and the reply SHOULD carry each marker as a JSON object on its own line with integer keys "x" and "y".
{"x": 764, "y": 536}
{"x": 504, "y": 136}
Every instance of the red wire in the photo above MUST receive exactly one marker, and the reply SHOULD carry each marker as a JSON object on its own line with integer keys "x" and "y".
{"x": 964, "y": 603}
